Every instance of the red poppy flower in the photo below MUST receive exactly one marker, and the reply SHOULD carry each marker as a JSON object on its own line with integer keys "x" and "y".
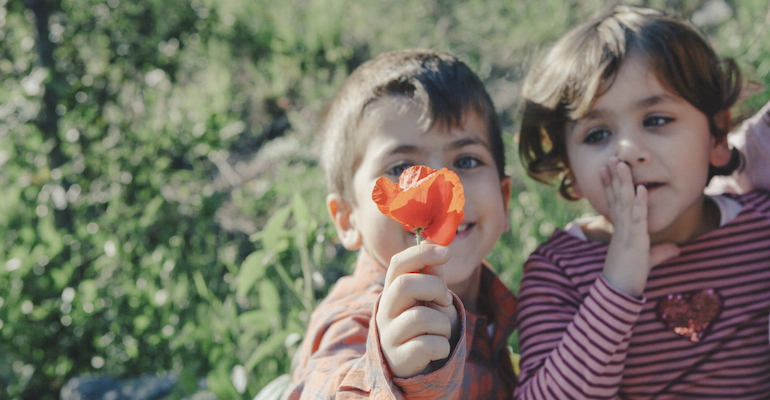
{"x": 425, "y": 201}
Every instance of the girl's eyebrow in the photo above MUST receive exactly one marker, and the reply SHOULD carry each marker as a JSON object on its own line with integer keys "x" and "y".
{"x": 653, "y": 100}
{"x": 643, "y": 103}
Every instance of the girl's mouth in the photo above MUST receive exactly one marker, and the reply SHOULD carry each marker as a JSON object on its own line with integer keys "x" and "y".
{"x": 650, "y": 186}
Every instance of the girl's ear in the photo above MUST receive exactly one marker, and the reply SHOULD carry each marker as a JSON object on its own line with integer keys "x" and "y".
{"x": 344, "y": 221}
{"x": 722, "y": 120}
{"x": 720, "y": 152}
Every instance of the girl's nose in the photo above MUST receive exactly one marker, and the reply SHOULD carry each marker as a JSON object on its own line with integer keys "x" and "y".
{"x": 632, "y": 150}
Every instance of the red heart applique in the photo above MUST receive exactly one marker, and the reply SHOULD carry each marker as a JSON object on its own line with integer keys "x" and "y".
{"x": 690, "y": 314}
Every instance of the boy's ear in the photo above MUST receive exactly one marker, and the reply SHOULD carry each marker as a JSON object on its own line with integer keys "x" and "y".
{"x": 344, "y": 221}
{"x": 505, "y": 189}
{"x": 576, "y": 191}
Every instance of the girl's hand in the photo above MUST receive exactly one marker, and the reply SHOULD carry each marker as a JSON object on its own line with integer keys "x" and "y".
{"x": 629, "y": 258}
{"x": 412, "y": 334}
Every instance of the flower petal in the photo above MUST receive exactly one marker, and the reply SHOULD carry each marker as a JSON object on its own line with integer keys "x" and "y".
{"x": 413, "y": 176}
{"x": 384, "y": 193}
{"x": 424, "y": 198}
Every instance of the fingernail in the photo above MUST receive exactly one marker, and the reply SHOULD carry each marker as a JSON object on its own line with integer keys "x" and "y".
{"x": 440, "y": 251}
{"x": 448, "y": 297}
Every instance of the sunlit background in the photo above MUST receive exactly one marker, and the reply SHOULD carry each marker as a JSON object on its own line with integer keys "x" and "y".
{"x": 161, "y": 205}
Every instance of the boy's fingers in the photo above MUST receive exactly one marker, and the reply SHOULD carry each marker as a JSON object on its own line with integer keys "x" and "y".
{"x": 408, "y": 290}
{"x": 416, "y": 258}
{"x": 454, "y": 319}
{"x": 449, "y": 311}
{"x": 412, "y": 357}
{"x": 417, "y": 321}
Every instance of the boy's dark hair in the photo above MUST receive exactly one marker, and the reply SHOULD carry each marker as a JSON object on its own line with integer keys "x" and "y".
{"x": 444, "y": 86}
{"x": 581, "y": 66}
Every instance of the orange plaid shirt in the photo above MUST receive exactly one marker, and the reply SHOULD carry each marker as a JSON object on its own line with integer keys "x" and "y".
{"x": 340, "y": 356}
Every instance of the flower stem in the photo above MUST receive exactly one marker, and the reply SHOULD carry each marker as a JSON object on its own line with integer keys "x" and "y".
{"x": 418, "y": 236}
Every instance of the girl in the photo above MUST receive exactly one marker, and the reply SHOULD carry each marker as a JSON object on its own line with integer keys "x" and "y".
{"x": 667, "y": 292}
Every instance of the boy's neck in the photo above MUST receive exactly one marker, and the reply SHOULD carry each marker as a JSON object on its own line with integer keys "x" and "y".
{"x": 468, "y": 291}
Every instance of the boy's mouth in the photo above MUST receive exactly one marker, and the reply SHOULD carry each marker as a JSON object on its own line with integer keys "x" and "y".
{"x": 464, "y": 227}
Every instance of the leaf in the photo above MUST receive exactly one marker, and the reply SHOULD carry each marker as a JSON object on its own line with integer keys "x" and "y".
{"x": 200, "y": 285}
{"x": 275, "y": 389}
{"x": 47, "y": 232}
{"x": 88, "y": 289}
{"x": 257, "y": 320}
{"x": 141, "y": 323}
{"x": 252, "y": 269}
{"x": 274, "y": 230}
{"x": 218, "y": 381}
{"x": 188, "y": 381}
{"x": 302, "y": 214}
{"x": 150, "y": 210}
{"x": 269, "y": 299}
{"x": 61, "y": 276}
{"x": 265, "y": 349}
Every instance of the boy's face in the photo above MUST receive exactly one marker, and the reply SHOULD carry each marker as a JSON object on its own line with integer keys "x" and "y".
{"x": 397, "y": 139}
{"x": 664, "y": 139}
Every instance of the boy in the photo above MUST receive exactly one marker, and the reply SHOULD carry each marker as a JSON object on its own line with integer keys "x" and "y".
{"x": 386, "y": 332}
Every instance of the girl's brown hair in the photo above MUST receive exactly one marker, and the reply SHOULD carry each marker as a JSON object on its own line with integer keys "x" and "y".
{"x": 581, "y": 65}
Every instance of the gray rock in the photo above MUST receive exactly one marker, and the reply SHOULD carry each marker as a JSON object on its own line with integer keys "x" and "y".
{"x": 145, "y": 387}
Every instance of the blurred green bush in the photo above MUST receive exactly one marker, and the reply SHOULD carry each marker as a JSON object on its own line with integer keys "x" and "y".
{"x": 161, "y": 208}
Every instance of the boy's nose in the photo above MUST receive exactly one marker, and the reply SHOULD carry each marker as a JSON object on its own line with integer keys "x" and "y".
{"x": 632, "y": 151}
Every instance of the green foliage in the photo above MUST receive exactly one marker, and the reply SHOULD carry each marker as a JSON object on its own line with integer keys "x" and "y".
{"x": 162, "y": 208}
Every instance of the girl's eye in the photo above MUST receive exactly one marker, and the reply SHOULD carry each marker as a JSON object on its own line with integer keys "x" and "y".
{"x": 596, "y": 136}
{"x": 467, "y": 162}
{"x": 398, "y": 169}
{"x": 651, "y": 122}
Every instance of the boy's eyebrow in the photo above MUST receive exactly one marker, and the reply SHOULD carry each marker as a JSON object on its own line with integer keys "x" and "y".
{"x": 468, "y": 141}
{"x": 457, "y": 144}
{"x": 404, "y": 149}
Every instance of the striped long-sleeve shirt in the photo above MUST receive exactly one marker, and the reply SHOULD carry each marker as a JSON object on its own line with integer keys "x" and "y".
{"x": 700, "y": 330}
{"x": 340, "y": 356}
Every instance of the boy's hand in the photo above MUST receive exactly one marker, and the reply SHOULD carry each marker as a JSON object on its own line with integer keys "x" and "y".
{"x": 629, "y": 257}
{"x": 412, "y": 334}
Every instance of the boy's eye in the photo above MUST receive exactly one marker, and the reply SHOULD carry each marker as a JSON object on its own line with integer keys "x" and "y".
{"x": 596, "y": 136}
{"x": 398, "y": 169}
{"x": 651, "y": 122}
{"x": 467, "y": 162}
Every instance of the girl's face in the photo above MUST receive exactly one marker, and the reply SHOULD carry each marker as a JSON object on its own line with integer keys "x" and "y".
{"x": 663, "y": 138}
